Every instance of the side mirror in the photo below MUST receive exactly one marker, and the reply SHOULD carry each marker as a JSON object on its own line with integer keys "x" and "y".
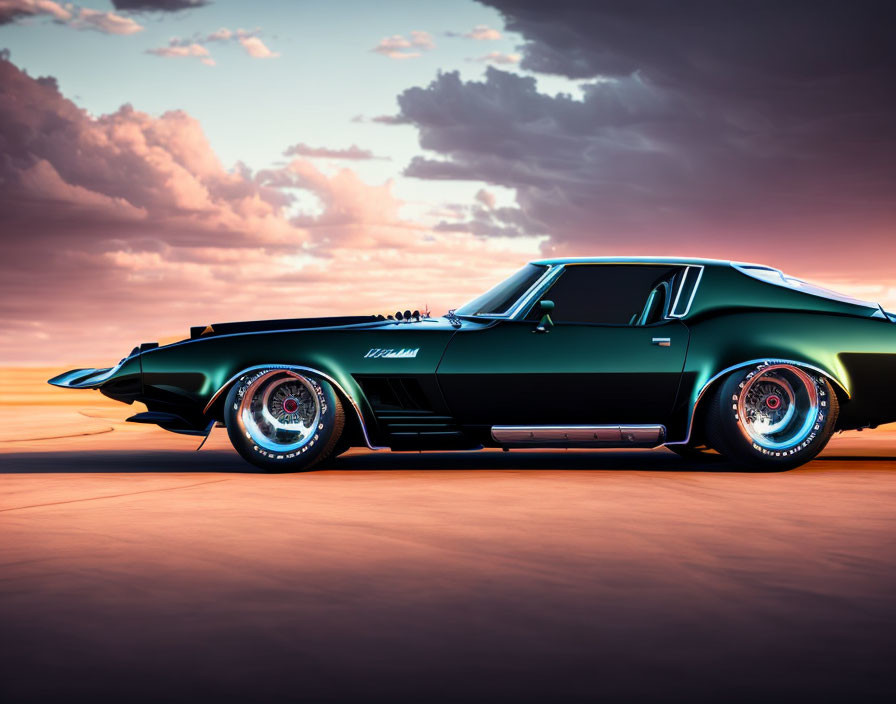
{"x": 546, "y": 323}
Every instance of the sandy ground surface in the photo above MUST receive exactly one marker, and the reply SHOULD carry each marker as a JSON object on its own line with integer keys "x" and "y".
{"x": 136, "y": 569}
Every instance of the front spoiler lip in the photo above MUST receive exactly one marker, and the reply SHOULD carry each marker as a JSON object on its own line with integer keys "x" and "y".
{"x": 83, "y": 378}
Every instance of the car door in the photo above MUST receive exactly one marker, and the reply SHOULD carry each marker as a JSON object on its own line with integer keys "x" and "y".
{"x": 581, "y": 371}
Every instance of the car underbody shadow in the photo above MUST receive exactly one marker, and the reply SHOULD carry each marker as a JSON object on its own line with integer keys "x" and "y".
{"x": 226, "y": 461}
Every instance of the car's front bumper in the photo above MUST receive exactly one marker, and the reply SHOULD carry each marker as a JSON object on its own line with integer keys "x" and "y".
{"x": 83, "y": 378}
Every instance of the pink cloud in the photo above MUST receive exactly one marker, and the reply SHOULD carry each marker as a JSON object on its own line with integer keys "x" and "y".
{"x": 106, "y": 22}
{"x": 256, "y": 48}
{"x": 194, "y": 50}
{"x": 195, "y": 46}
{"x": 130, "y": 222}
{"x": 353, "y": 153}
{"x": 400, "y": 47}
{"x": 68, "y": 14}
{"x": 499, "y": 57}
{"x": 12, "y": 10}
{"x": 480, "y": 32}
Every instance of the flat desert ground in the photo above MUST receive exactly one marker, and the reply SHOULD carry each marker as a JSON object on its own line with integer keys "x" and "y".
{"x": 137, "y": 569}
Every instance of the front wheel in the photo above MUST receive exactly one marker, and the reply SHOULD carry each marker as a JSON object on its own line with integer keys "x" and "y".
{"x": 772, "y": 416}
{"x": 282, "y": 421}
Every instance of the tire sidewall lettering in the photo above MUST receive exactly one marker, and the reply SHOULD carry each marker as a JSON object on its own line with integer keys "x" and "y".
{"x": 818, "y": 423}
{"x": 321, "y": 433}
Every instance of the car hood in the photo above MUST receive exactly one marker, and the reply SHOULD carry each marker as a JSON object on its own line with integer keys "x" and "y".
{"x": 282, "y": 324}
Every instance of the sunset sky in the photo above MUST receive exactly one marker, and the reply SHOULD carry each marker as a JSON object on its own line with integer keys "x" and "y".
{"x": 167, "y": 163}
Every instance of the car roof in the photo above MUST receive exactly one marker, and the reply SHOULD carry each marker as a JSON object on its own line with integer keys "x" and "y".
{"x": 638, "y": 260}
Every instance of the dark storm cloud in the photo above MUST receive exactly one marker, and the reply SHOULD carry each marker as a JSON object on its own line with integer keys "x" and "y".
{"x": 704, "y": 42}
{"x": 158, "y": 5}
{"x": 697, "y": 118}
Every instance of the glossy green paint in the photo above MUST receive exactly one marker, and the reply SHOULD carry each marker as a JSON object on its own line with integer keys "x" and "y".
{"x": 484, "y": 372}
{"x": 573, "y": 374}
{"x": 340, "y": 353}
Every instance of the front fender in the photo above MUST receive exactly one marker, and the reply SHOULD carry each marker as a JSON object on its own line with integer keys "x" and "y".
{"x": 346, "y": 386}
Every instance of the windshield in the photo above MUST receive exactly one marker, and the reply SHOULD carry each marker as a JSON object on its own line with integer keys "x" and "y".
{"x": 500, "y": 299}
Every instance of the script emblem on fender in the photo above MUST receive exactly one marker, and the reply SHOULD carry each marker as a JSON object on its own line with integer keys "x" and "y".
{"x": 404, "y": 353}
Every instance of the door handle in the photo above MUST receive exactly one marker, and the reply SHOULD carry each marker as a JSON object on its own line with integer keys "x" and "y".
{"x": 662, "y": 341}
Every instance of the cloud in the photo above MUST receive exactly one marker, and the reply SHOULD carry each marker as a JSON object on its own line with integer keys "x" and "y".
{"x": 180, "y": 50}
{"x": 106, "y": 22}
{"x": 400, "y": 47}
{"x": 499, "y": 57}
{"x": 158, "y": 5}
{"x": 12, "y": 10}
{"x": 68, "y": 14}
{"x": 353, "y": 153}
{"x": 133, "y": 219}
{"x": 740, "y": 130}
{"x": 390, "y": 119}
{"x": 486, "y": 198}
{"x": 256, "y": 48}
{"x": 480, "y": 32}
{"x": 195, "y": 46}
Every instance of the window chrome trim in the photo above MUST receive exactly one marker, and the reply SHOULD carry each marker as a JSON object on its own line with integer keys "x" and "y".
{"x": 537, "y": 289}
{"x": 311, "y": 370}
{"x": 516, "y": 311}
{"x": 687, "y": 271}
{"x": 551, "y": 272}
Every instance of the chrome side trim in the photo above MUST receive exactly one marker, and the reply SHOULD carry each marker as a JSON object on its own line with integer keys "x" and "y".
{"x": 301, "y": 368}
{"x": 581, "y": 435}
{"x": 774, "y": 360}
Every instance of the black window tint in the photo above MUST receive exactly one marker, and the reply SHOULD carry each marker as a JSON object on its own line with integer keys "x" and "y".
{"x": 609, "y": 294}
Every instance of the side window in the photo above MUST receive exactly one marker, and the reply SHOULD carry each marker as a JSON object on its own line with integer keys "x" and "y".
{"x": 610, "y": 294}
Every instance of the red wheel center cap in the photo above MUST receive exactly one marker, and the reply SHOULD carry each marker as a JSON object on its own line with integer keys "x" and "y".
{"x": 290, "y": 405}
{"x": 773, "y": 402}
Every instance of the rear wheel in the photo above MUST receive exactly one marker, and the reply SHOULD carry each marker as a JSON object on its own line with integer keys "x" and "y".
{"x": 771, "y": 416}
{"x": 282, "y": 421}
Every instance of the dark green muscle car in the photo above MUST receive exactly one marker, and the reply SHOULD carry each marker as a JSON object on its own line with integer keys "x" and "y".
{"x": 697, "y": 355}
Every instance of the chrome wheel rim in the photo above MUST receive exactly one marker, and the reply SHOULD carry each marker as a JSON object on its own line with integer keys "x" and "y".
{"x": 778, "y": 407}
{"x": 280, "y": 411}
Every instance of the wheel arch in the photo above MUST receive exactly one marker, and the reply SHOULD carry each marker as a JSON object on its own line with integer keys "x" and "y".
{"x": 702, "y": 391}
{"x": 347, "y": 389}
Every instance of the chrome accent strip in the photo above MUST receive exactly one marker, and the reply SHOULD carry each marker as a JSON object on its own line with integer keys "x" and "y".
{"x": 672, "y": 313}
{"x": 725, "y": 371}
{"x": 304, "y": 369}
{"x": 584, "y": 435}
